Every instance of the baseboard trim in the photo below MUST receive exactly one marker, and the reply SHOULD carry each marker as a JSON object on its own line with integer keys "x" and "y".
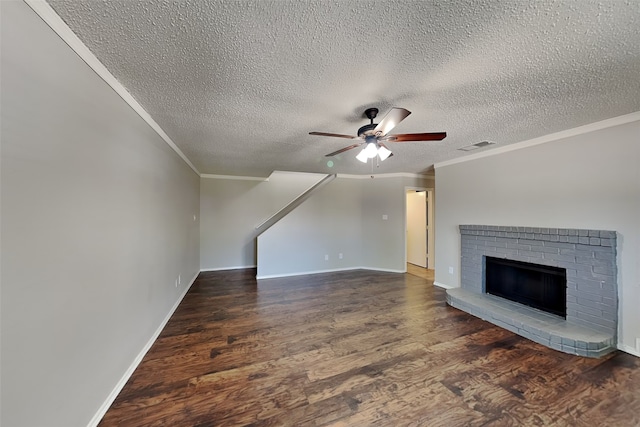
{"x": 125, "y": 377}
{"x": 235, "y": 267}
{"x": 304, "y": 273}
{"x": 443, "y": 286}
{"x": 385, "y": 270}
{"x": 629, "y": 349}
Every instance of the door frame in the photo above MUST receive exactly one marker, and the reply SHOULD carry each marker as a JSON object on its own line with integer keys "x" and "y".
{"x": 430, "y": 225}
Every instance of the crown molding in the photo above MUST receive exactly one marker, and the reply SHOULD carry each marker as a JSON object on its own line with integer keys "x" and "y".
{"x": 53, "y": 20}
{"x": 603, "y": 124}
{"x": 340, "y": 175}
{"x": 385, "y": 175}
{"x": 298, "y": 173}
{"x": 259, "y": 178}
{"x": 236, "y": 177}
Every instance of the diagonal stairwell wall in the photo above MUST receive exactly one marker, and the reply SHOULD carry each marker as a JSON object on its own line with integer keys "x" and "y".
{"x": 230, "y": 209}
{"x": 266, "y": 224}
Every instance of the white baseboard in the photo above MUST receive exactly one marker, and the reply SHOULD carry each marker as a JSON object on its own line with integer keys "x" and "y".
{"x": 120, "y": 384}
{"x": 629, "y": 349}
{"x": 386, "y": 270}
{"x": 443, "y": 286}
{"x": 303, "y": 273}
{"x": 235, "y": 267}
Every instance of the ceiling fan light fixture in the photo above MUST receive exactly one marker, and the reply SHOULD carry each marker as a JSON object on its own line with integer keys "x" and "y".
{"x": 383, "y": 153}
{"x": 362, "y": 156}
{"x": 371, "y": 150}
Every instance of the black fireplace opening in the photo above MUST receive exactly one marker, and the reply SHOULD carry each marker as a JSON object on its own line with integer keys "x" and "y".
{"x": 538, "y": 286}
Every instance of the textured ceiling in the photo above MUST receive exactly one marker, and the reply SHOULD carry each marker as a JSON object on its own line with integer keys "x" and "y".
{"x": 238, "y": 85}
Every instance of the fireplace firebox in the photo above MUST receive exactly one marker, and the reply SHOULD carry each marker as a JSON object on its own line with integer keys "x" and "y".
{"x": 538, "y": 286}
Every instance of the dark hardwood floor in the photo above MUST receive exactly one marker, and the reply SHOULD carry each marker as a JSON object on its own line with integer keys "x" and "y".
{"x": 359, "y": 348}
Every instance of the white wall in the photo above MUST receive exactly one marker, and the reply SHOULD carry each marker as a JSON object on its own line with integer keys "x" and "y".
{"x": 588, "y": 181}
{"x": 97, "y": 223}
{"x": 326, "y": 224}
{"x": 343, "y": 217}
{"x": 384, "y": 240}
{"x": 230, "y": 210}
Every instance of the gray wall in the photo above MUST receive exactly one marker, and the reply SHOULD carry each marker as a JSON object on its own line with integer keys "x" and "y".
{"x": 588, "y": 181}
{"x": 230, "y": 210}
{"x": 343, "y": 217}
{"x": 384, "y": 244}
{"x": 97, "y": 222}
{"x": 326, "y": 224}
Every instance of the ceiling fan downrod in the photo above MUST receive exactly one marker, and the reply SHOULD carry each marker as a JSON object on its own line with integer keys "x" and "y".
{"x": 371, "y": 114}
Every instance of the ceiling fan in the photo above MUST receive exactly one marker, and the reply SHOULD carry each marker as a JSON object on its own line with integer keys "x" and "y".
{"x": 376, "y": 135}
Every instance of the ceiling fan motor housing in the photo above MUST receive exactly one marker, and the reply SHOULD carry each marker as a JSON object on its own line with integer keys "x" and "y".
{"x": 367, "y": 129}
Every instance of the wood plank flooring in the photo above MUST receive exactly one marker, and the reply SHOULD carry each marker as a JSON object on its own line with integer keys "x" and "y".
{"x": 416, "y": 270}
{"x": 359, "y": 348}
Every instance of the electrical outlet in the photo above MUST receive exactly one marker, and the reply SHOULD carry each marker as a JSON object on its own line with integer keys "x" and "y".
{"x": 385, "y": 217}
{"x": 450, "y": 270}
{"x": 340, "y": 256}
{"x": 326, "y": 257}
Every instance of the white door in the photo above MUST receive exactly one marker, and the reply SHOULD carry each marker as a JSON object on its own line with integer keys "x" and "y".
{"x": 417, "y": 228}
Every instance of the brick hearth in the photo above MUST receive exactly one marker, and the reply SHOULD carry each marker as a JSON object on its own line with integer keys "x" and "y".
{"x": 589, "y": 257}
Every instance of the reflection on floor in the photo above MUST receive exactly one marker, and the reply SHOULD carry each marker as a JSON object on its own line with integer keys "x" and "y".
{"x": 420, "y": 272}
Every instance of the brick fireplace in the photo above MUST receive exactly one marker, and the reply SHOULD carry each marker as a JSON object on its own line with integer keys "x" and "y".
{"x": 589, "y": 258}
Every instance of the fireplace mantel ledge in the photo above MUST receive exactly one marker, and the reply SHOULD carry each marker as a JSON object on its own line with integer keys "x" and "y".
{"x": 543, "y": 328}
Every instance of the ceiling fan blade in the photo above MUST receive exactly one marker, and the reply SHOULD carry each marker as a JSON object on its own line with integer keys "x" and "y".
{"x": 342, "y": 150}
{"x": 407, "y": 137}
{"x": 393, "y": 117}
{"x": 337, "y": 135}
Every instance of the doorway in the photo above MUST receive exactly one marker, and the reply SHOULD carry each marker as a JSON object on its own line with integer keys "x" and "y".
{"x": 419, "y": 227}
